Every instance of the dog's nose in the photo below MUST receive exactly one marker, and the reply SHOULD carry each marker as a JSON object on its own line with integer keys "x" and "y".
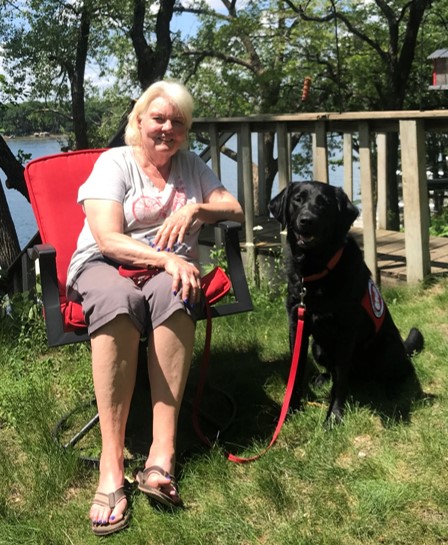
{"x": 306, "y": 219}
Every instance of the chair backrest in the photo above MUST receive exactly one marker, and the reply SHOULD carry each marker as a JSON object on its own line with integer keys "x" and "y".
{"x": 53, "y": 183}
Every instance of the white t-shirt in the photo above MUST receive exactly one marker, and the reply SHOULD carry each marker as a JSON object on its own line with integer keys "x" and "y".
{"x": 117, "y": 176}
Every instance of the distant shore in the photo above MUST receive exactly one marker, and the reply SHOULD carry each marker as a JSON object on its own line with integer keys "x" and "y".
{"x": 36, "y": 136}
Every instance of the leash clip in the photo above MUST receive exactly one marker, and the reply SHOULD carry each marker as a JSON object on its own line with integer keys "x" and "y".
{"x": 302, "y": 295}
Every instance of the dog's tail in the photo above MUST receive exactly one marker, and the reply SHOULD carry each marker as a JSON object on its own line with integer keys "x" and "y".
{"x": 414, "y": 342}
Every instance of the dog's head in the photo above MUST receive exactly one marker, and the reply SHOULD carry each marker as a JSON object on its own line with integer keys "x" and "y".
{"x": 314, "y": 213}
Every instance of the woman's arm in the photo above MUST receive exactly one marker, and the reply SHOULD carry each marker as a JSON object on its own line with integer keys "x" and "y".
{"x": 220, "y": 204}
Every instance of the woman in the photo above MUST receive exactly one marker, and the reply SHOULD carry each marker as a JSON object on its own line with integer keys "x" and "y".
{"x": 144, "y": 204}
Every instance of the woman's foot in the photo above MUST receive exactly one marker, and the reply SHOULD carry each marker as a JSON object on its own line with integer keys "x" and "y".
{"x": 109, "y": 512}
{"x": 110, "y": 504}
{"x": 159, "y": 485}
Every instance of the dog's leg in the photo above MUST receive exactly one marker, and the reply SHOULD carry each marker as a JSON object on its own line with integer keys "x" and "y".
{"x": 338, "y": 396}
{"x": 344, "y": 354}
{"x": 321, "y": 359}
{"x": 414, "y": 342}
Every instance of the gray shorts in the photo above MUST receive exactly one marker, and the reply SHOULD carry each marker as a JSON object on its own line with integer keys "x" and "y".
{"x": 104, "y": 294}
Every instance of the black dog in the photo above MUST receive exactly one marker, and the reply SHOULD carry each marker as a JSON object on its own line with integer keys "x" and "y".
{"x": 345, "y": 314}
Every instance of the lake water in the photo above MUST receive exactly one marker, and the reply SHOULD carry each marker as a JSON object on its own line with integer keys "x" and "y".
{"x": 19, "y": 207}
{"x": 22, "y": 213}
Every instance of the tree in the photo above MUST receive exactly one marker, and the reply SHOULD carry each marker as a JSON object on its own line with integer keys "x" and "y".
{"x": 385, "y": 33}
{"x": 46, "y": 45}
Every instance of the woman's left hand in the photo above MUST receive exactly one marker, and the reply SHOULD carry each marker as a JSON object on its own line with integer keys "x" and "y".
{"x": 174, "y": 227}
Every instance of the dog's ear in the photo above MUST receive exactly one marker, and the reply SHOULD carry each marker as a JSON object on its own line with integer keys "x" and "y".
{"x": 278, "y": 205}
{"x": 348, "y": 212}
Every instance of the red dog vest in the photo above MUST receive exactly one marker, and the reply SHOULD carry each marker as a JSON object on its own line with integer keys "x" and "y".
{"x": 372, "y": 302}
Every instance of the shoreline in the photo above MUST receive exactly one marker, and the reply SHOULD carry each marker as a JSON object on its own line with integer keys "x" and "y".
{"x": 37, "y": 136}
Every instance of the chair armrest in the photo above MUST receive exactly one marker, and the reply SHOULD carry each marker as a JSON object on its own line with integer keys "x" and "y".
{"x": 56, "y": 335}
{"x": 227, "y": 232}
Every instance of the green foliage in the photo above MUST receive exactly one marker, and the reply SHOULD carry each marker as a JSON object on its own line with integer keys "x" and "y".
{"x": 217, "y": 258}
{"x": 439, "y": 223}
{"x": 21, "y": 317}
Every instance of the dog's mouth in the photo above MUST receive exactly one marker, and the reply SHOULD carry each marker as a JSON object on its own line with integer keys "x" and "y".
{"x": 305, "y": 240}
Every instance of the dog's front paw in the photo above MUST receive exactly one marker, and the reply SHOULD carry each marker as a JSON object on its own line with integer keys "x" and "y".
{"x": 334, "y": 416}
{"x": 322, "y": 379}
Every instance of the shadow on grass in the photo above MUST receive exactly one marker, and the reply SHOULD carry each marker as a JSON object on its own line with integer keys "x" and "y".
{"x": 393, "y": 402}
{"x": 235, "y": 411}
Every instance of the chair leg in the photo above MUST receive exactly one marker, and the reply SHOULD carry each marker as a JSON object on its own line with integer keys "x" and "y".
{"x": 57, "y": 430}
{"x": 78, "y": 436}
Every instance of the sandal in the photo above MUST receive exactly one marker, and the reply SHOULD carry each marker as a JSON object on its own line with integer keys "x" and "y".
{"x": 110, "y": 500}
{"x": 162, "y": 493}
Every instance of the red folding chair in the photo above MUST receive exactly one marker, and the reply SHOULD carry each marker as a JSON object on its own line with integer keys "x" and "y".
{"x": 53, "y": 183}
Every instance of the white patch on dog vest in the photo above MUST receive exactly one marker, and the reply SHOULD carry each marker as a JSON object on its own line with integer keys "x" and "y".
{"x": 373, "y": 303}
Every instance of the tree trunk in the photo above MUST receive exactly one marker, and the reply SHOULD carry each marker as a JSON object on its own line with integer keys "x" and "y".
{"x": 9, "y": 242}
{"x": 13, "y": 170}
{"x": 152, "y": 63}
{"x": 77, "y": 75}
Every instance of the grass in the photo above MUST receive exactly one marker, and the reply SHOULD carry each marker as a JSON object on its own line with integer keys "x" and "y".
{"x": 375, "y": 479}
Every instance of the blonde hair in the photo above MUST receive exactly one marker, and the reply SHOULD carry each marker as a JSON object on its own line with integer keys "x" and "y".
{"x": 174, "y": 91}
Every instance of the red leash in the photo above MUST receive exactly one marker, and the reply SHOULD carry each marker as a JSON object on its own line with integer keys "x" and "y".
{"x": 288, "y": 392}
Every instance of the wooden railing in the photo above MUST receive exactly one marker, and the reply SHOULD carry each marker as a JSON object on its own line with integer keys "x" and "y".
{"x": 371, "y": 130}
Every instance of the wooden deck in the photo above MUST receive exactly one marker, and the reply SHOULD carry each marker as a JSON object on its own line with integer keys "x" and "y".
{"x": 391, "y": 254}
{"x": 390, "y": 249}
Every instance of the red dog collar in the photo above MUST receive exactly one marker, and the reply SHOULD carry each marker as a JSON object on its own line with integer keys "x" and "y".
{"x": 329, "y": 267}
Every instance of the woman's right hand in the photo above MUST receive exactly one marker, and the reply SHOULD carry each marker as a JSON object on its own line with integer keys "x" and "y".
{"x": 186, "y": 277}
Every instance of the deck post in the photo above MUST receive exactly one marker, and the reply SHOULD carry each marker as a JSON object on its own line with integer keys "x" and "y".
{"x": 215, "y": 151}
{"x": 415, "y": 199}
{"x": 262, "y": 200}
{"x": 320, "y": 155}
{"x": 368, "y": 206}
{"x": 215, "y": 155}
{"x": 381, "y": 147}
{"x": 247, "y": 179}
{"x": 348, "y": 164}
{"x": 283, "y": 156}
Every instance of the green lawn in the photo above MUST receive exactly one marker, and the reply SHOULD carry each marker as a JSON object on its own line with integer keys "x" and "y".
{"x": 373, "y": 480}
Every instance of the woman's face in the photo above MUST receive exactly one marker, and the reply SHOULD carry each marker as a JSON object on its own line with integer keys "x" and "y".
{"x": 162, "y": 128}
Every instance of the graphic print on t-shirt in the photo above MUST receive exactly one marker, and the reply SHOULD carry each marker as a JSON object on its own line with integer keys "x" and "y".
{"x": 153, "y": 209}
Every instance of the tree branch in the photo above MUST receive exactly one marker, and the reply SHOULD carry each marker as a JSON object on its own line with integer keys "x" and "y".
{"x": 221, "y": 56}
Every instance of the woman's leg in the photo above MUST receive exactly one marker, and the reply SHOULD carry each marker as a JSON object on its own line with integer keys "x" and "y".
{"x": 114, "y": 365}
{"x": 116, "y": 313}
{"x": 170, "y": 349}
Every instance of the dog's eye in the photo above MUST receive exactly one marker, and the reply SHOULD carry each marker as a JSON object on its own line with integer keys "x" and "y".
{"x": 321, "y": 202}
{"x": 300, "y": 198}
